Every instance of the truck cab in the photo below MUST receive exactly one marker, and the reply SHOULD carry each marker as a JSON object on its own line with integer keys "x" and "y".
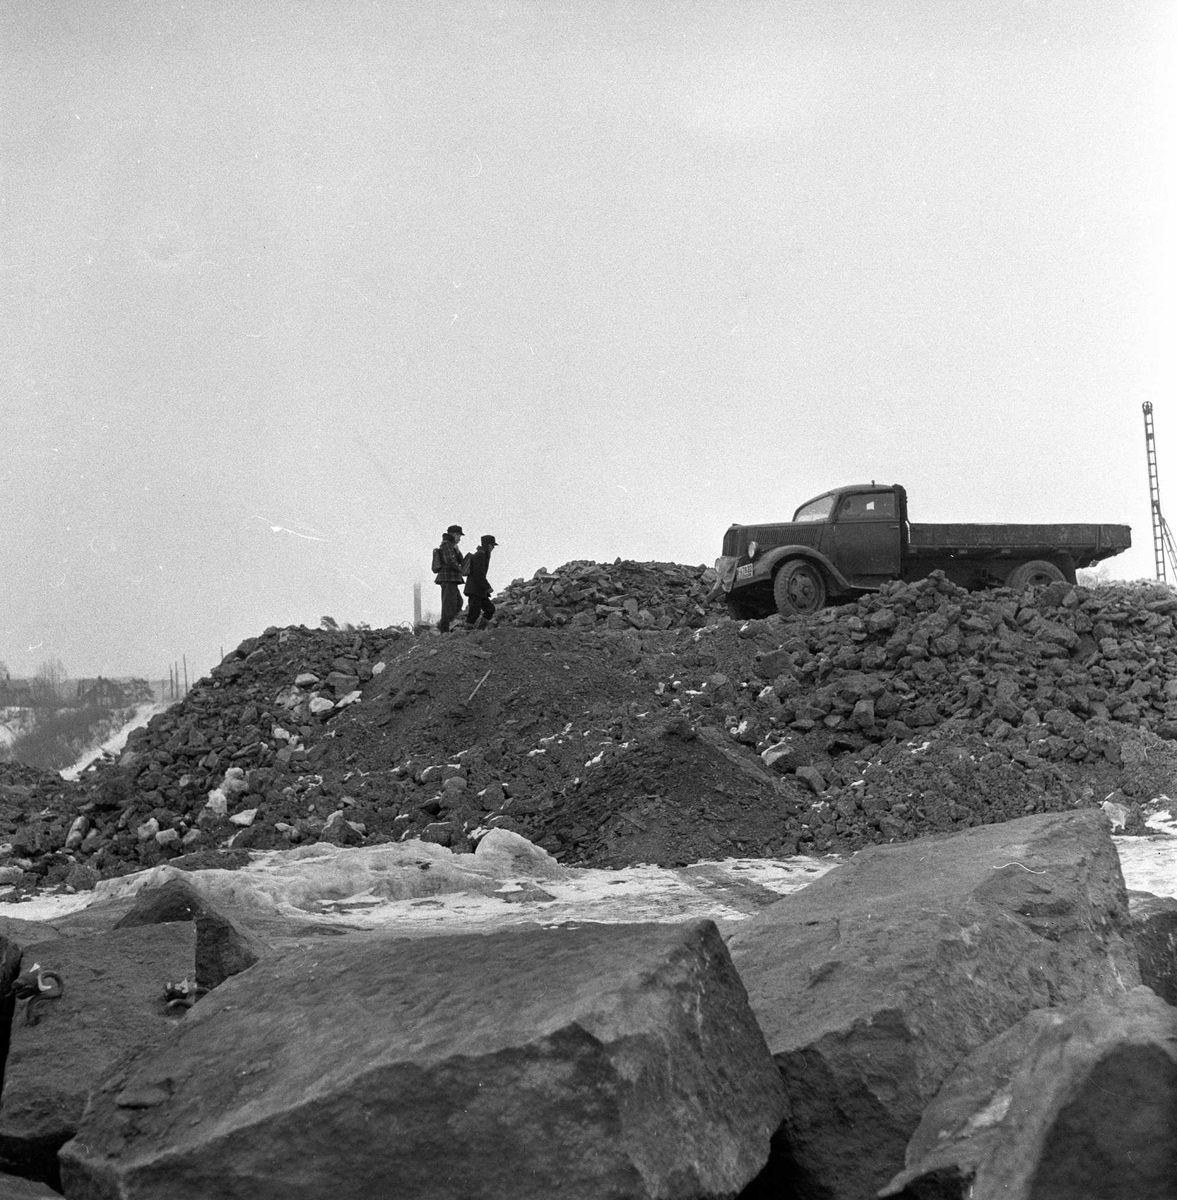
{"x": 845, "y": 540}
{"x": 864, "y": 532}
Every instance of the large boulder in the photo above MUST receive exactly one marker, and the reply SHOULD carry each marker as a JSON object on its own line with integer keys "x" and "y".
{"x": 17, "y": 931}
{"x": 577, "y": 1062}
{"x": 507, "y": 855}
{"x": 13, "y": 1187}
{"x": 874, "y": 982}
{"x": 1154, "y": 922}
{"x": 113, "y": 1002}
{"x": 223, "y": 946}
{"x": 9, "y": 969}
{"x": 1065, "y": 1104}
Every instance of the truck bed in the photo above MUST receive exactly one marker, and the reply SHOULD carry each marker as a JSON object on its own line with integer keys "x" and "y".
{"x": 1084, "y": 543}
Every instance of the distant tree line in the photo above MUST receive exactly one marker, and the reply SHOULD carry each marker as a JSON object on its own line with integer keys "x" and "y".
{"x": 48, "y": 690}
{"x": 44, "y": 690}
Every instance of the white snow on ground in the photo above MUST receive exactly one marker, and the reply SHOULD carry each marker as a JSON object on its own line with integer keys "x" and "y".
{"x": 1162, "y": 820}
{"x": 418, "y": 887}
{"x": 117, "y": 740}
{"x": 387, "y": 887}
{"x": 45, "y": 906}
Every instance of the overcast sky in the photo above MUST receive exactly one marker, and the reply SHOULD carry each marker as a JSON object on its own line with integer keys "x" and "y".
{"x": 287, "y": 288}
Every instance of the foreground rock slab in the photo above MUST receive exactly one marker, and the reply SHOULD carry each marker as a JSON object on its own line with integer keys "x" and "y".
{"x": 112, "y": 1004}
{"x": 877, "y": 980}
{"x": 12, "y": 1187}
{"x": 223, "y": 947}
{"x": 599, "y": 1061}
{"x": 1154, "y": 921}
{"x": 1065, "y": 1104}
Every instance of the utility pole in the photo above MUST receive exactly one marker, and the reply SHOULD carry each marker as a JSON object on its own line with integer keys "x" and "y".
{"x": 1162, "y": 538}
{"x": 416, "y": 606}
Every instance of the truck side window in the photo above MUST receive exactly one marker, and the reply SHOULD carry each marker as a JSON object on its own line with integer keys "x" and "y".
{"x": 870, "y": 506}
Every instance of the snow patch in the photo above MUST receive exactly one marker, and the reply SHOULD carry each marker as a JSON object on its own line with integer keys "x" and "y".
{"x": 422, "y": 889}
{"x": 117, "y": 740}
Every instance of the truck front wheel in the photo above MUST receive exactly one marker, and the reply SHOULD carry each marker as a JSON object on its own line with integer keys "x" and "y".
{"x": 1035, "y": 573}
{"x": 799, "y": 589}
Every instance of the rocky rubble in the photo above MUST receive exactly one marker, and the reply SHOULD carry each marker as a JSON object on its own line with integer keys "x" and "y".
{"x": 224, "y": 737}
{"x": 621, "y": 595}
{"x": 924, "y": 708}
{"x": 610, "y": 739}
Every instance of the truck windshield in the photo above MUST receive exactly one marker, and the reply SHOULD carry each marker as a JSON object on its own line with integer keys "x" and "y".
{"x": 816, "y": 510}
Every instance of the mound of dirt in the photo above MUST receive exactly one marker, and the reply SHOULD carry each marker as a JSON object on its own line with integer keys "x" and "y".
{"x": 613, "y": 737}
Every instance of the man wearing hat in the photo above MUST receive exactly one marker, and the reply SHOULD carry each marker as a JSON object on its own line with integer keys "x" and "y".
{"x": 449, "y": 576}
{"x": 480, "y": 609}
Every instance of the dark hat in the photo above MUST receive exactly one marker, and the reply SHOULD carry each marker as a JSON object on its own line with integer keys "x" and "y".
{"x": 488, "y": 539}
{"x": 457, "y": 530}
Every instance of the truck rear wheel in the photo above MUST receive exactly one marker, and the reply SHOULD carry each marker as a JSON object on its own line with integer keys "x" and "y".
{"x": 1035, "y": 573}
{"x": 799, "y": 589}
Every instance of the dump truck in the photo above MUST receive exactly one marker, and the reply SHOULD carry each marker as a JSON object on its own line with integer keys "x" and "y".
{"x": 855, "y": 539}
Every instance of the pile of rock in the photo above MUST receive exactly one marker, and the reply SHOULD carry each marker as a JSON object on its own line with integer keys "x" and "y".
{"x": 922, "y": 708}
{"x": 35, "y": 815}
{"x": 619, "y": 595}
{"x": 927, "y": 707}
{"x": 259, "y": 715}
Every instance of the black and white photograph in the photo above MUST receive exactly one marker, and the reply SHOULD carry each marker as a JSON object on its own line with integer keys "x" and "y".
{"x": 586, "y": 601}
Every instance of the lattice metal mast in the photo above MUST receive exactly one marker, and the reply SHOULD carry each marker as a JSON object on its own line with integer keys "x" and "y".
{"x": 1162, "y": 538}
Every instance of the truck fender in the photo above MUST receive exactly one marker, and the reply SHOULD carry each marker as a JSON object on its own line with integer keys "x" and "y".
{"x": 771, "y": 560}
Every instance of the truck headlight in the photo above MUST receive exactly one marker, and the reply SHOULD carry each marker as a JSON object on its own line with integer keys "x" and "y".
{"x": 752, "y": 548}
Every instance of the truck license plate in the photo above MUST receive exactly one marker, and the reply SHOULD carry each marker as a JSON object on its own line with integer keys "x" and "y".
{"x": 745, "y": 572}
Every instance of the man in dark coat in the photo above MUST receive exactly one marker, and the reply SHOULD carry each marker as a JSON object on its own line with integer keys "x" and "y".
{"x": 480, "y": 608}
{"x": 450, "y": 576}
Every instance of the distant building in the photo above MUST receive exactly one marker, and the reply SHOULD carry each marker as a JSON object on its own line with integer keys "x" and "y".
{"x": 105, "y": 693}
{"x": 112, "y": 693}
